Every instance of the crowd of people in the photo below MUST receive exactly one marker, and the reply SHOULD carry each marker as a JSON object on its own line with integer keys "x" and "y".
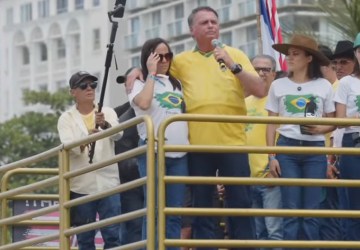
{"x": 318, "y": 83}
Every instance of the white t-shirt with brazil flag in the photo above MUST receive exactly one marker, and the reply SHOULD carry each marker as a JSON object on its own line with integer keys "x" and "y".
{"x": 288, "y": 99}
{"x": 348, "y": 93}
{"x": 166, "y": 102}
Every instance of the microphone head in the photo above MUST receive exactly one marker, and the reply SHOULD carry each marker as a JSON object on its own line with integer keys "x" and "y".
{"x": 215, "y": 42}
{"x": 120, "y": 79}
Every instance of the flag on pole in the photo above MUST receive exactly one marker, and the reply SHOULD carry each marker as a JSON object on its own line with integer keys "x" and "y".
{"x": 271, "y": 31}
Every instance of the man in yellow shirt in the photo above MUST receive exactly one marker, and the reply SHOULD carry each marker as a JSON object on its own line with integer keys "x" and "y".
{"x": 267, "y": 228}
{"x": 210, "y": 90}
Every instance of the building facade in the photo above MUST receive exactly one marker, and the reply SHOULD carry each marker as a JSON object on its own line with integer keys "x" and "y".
{"x": 45, "y": 41}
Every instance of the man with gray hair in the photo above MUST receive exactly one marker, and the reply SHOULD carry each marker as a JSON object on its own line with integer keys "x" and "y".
{"x": 269, "y": 197}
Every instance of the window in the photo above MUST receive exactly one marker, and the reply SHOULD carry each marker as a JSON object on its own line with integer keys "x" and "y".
{"x": 156, "y": 18}
{"x": 61, "y": 84}
{"x": 202, "y": 2}
{"x": 179, "y": 11}
{"x": 247, "y": 8}
{"x": 226, "y": 38}
{"x": 225, "y": 2}
{"x": 43, "y": 87}
{"x": 43, "y": 8}
{"x": 76, "y": 44}
{"x": 96, "y": 2}
{"x": 43, "y": 52}
{"x": 79, "y": 4}
{"x": 96, "y": 39}
{"x": 61, "y": 50}
{"x": 26, "y": 12}
{"x": 9, "y": 16}
{"x": 25, "y": 55}
{"x": 135, "y": 25}
{"x": 135, "y": 61}
{"x": 62, "y": 6}
{"x": 251, "y": 33}
{"x": 178, "y": 48}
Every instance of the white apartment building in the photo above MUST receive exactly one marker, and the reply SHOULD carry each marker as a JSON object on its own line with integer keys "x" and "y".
{"x": 45, "y": 41}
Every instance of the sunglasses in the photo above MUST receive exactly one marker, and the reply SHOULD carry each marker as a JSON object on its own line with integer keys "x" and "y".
{"x": 263, "y": 69}
{"x": 84, "y": 85}
{"x": 167, "y": 56}
{"x": 340, "y": 62}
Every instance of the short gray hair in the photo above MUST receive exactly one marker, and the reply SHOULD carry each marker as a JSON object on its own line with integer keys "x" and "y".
{"x": 270, "y": 58}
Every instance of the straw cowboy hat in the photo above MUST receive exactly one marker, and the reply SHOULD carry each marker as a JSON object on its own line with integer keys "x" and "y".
{"x": 305, "y": 43}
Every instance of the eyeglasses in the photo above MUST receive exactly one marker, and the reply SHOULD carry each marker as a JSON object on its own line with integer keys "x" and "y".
{"x": 167, "y": 56}
{"x": 84, "y": 85}
{"x": 263, "y": 69}
{"x": 342, "y": 62}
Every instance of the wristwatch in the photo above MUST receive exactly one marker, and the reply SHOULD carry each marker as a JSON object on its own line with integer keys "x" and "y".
{"x": 236, "y": 68}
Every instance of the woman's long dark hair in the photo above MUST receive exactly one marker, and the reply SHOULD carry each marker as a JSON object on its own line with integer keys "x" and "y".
{"x": 313, "y": 71}
{"x": 150, "y": 46}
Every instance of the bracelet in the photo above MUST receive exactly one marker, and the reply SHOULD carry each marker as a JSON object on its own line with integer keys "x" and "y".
{"x": 152, "y": 76}
{"x": 272, "y": 157}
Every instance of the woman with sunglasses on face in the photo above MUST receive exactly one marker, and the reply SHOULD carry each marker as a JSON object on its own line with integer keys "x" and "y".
{"x": 293, "y": 96}
{"x": 160, "y": 96}
{"x": 347, "y": 100}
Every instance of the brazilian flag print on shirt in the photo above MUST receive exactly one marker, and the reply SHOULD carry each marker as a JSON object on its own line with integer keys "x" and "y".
{"x": 295, "y": 104}
{"x": 357, "y": 101}
{"x": 169, "y": 100}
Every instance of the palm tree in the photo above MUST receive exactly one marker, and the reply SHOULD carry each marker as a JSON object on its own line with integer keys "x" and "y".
{"x": 344, "y": 15}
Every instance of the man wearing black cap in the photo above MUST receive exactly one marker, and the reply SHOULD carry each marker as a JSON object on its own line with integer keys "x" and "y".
{"x": 331, "y": 228}
{"x": 343, "y": 58}
{"x": 329, "y": 71}
{"x": 76, "y": 123}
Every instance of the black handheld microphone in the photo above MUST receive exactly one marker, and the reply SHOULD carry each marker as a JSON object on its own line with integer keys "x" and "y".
{"x": 216, "y": 43}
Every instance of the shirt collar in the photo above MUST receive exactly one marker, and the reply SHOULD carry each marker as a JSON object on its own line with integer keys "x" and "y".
{"x": 206, "y": 54}
{"x": 162, "y": 76}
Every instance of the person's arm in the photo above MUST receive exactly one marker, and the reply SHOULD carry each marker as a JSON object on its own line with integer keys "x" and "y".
{"x": 144, "y": 98}
{"x": 320, "y": 129}
{"x": 111, "y": 119}
{"x": 252, "y": 84}
{"x": 66, "y": 134}
{"x": 274, "y": 165}
{"x": 340, "y": 111}
{"x": 130, "y": 78}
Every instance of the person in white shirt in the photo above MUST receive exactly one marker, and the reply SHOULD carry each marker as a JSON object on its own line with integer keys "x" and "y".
{"x": 76, "y": 123}
{"x": 303, "y": 91}
{"x": 347, "y": 99}
{"x": 160, "y": 96}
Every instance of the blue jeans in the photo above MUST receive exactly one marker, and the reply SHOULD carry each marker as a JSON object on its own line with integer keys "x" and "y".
{"x": 335, "y": 198}
{"x": 86, "y": 213}
{"x": 131, "y": 200}
{"x": 175, "y": 193}
{"x": 237, "y": 196}
{"x": 268, "y": 228}
{"x": 350, "y": 169}
{"x": 301, "y": 166}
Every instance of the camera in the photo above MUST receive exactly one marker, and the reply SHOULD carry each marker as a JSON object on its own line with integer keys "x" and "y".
{"x": 356, "y": 139}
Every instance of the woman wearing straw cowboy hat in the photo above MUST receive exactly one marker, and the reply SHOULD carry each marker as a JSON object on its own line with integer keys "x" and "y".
{"x": 304, "y": 90}
{"x": 347, "y": 100}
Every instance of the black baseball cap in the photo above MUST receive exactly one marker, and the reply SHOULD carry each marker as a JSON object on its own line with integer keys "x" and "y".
{"x": 79, "y": 76}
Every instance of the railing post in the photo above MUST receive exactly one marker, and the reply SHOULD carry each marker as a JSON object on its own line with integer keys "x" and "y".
{"x": 161, "y": 185}
{"x": 151, "y": 185}
{"x": 64, "y": 196}
{"x": 3, "y": 239}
